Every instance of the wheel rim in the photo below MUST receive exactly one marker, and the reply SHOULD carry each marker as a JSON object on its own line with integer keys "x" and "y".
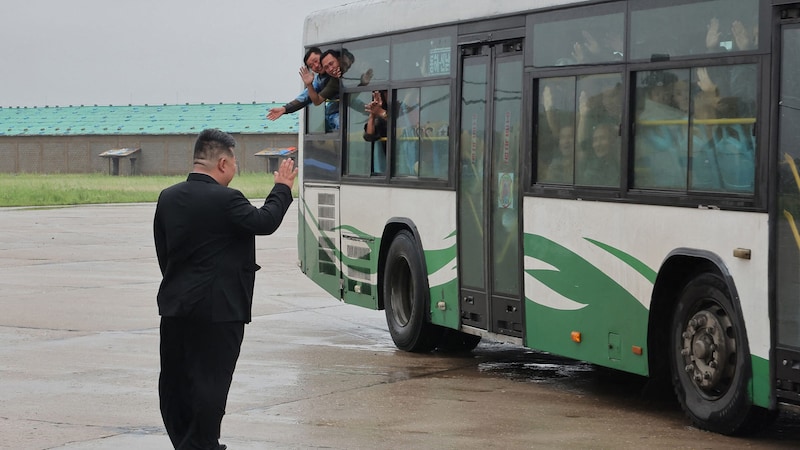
{"x": 708, "y": 348}
{"x": 402, "y": 293}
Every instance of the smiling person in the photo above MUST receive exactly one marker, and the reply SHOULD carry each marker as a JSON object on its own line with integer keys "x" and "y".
{"x": 331, "y": 64}
{"x": 313, "y": 66}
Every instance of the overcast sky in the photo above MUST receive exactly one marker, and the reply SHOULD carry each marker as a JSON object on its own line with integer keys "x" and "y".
{"x": 73, "y": 52}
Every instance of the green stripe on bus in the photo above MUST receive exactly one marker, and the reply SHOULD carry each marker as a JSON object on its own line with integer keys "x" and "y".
{"x": 634, "y": 263}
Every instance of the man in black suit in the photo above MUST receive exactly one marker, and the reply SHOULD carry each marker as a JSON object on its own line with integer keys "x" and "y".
{"x": 205, "y": 242}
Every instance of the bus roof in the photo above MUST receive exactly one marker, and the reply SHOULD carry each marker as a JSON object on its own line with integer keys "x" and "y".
{"x": 374, "y": 17}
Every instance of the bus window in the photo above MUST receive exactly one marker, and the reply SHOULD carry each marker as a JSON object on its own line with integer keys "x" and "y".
{"x": 434, "y": 132}
{"x": 429, "y": 57}
{"x": 422, "y": 134}
{"x": 579, "y": 130}
{"x": 697, "y": 126}
{"x": 725, "y": 120}
{"x": 593, "y": 39}
{"x": 406, "y": 154}
{"x": 705, "y": 27}
{"x": 315, "y": 119}
{"x": 597, "y": 134}
{"x": 365, "y": 62}
{"x": 556, "y": 132}
{"x": 358, "y": 159}
{"x": 662, "y": 123}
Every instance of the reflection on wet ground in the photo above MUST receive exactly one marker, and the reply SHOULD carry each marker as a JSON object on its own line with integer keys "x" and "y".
{"x": 617, "y": 388}
{"x": 536, "y": 367}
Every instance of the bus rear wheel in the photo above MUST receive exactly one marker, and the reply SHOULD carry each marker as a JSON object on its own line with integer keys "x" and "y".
{"x": 405, "y": 296}
{"x": 710, "y": 361}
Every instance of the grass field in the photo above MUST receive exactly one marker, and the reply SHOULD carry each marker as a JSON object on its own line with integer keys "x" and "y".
{"x": 79, "y": 189}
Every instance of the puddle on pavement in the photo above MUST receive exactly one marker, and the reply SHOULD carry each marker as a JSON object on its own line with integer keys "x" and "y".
{"x": 528, "y": 366}
{"x": 524, "y": 365}
{"x": 617, "y": 388}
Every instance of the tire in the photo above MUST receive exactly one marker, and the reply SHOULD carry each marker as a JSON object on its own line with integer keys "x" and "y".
{"x": 710, "y": 360}
{"x": 405, "y": 296}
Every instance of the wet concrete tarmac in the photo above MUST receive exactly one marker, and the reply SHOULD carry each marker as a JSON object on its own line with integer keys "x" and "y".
{"x": 79, "y": 362}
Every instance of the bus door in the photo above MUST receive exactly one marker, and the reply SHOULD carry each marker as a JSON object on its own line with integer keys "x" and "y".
{"x": 787, "y": 220}
{"x": 488, "y": 187}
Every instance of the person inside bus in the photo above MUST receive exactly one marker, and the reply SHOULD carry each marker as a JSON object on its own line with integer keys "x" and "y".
{"x": 661, "y": 144}
{"x": 734, "y": 148}
{"x": 312, "y": 61}
{"x": 599, "y": 101}
{"x": 329, "y": 94}
{"x": 599, "y": 166}
{"x": 744, "y": 38}
{"x": 739, "y": 79}
{"x": 733, "y": 144}
{"x": 375, "y": 130}
{"x": 704, "y": 171}
{"x": 560, "y": 168}
{"x": 591, "y": 51}
{"x": 709, "y": 148}
{"x": 557, "y": 100}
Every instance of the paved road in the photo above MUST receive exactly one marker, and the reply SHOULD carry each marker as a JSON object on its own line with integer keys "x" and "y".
{"x": 79, "y": 362}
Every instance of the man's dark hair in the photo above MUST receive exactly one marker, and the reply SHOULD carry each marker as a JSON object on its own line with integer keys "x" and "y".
{"x": 213, "y": 143}
{"x": 335, "y": 53}
{"x": 309, "y": 52}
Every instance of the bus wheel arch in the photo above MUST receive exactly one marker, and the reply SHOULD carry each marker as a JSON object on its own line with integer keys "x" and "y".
{"x": 404, "y": 292}
{"x": 389, "y": 232}
{"x": 673, "y": 275}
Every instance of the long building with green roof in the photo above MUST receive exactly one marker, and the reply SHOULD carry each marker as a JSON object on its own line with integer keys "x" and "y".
{"x": 69, "y": 139}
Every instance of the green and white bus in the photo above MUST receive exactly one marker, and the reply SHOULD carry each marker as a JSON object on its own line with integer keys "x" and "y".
{"x": 610, "y": 181}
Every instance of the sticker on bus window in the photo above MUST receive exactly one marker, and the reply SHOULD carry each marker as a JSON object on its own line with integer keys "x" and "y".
{"x": 439, "y": 61}
{"x": 505, "y": 189}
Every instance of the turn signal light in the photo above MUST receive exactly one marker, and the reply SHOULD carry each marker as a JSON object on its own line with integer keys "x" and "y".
{"x": 636, "y": 350}
{"x": 576, "y": 336}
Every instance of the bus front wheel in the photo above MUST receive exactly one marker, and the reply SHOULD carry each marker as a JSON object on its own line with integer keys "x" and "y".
{"x": 710, "y": 361}
{"x": 404, "y": 296}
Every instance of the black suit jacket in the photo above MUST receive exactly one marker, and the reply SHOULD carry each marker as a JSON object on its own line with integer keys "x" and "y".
{"x": 205, "y": 242}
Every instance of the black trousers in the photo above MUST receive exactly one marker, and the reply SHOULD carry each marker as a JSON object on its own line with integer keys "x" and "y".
{"x": 197, "y": 363}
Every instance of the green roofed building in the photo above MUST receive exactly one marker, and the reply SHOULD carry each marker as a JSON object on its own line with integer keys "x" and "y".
{"x": 70, "y": 139}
